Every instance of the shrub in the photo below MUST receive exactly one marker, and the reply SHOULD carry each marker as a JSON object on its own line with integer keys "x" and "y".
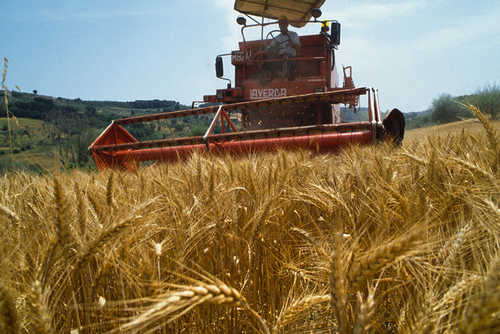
{"x": 198, "y": 130}
{"x": 487, "y": 100}
{"x": 445, "y": 109}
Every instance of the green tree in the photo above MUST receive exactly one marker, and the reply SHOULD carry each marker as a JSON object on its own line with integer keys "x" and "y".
{"x": 487, "y": 100}
{"x": 198, "y": 130}
{"x": 445, "y": 109}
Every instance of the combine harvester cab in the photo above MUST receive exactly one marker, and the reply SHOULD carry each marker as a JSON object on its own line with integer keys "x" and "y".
{"x": 281, "y": 102}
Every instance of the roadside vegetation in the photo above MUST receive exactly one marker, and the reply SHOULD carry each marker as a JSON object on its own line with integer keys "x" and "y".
{"x": 376, "y": 239}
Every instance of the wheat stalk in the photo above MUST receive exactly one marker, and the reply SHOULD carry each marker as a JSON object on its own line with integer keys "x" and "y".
{"x": 475, "y": 168}
{"x": 8, "y": 314}
{"x": 7, "y": 112}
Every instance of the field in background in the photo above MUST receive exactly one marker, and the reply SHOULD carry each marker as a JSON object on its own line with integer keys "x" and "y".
{"x": 377, "y": 239}
{"x": 470, "y": 126}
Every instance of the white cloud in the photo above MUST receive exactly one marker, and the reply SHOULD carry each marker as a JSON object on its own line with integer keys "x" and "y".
{"x": 467, "y": 30}
{"x": 232, "y": 35}
{"x": 368, "y": 13}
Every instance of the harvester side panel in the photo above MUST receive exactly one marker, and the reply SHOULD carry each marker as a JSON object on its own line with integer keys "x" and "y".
{"x": 312, "y": 72}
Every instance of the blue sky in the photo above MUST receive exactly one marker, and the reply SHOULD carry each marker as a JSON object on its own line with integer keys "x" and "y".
{"x": 412, "y": 50}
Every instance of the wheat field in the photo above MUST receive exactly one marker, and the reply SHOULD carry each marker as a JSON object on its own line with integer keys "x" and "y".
{"x": 378, "y": 239}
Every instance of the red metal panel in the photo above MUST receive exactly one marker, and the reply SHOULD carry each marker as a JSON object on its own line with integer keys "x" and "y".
{"x": 313, "y": 70}
{"x": 114, "y": 134}
{"x": 237, "y": 135}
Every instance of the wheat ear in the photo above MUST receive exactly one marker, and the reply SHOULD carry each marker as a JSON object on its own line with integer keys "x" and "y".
{"x": 292, "y": 312}
{"x": 490, "y": 131}
{"x": 109, "y": 192}
{"x": 39, "y": 305}
{"x": 455, "y": 292}
{"x": 366, "y": 311}
{"x": 14, "y": 218}
{"x": 338, "y": 284}
{"x": 371, "y": 265}
{"x": 415, "y": 158}
{"x": 105, "y": 237}
{"x": 483, "y": 314}
{"x": 448, "y": 253}
{"x": 174, "y": 304}
{"x": 64, "y": 237}
{"x": 455, "y": 295}
{"x": 82, "y": 213}
{"x": 109, "y": 235}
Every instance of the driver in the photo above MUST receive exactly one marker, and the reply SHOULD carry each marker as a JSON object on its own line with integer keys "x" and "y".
{"x": 287, "y": 43}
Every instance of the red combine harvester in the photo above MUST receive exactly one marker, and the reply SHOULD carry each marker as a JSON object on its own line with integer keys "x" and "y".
{"x": 282, "y": 101}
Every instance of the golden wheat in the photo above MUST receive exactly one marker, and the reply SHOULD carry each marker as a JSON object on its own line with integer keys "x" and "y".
{"x": 8, "y": 313}
{"x": 375, "y": 239}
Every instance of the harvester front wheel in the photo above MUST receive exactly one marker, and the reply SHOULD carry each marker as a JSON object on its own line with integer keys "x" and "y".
{"x": 394, "y": 125}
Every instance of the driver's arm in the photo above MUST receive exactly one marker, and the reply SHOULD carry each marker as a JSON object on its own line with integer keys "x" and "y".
{"x": 294, "y": 41}
{"x": 271, "y": 45}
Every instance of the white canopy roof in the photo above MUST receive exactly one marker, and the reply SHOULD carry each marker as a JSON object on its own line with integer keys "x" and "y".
{"x": 294, "y": 10}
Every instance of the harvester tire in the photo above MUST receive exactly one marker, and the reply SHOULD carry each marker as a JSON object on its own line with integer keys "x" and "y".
{"x": 394, "y": 126}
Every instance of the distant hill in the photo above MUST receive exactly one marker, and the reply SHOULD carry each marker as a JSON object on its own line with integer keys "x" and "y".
{"x": 57, "y": 131}
{"x": 417, "y": 114}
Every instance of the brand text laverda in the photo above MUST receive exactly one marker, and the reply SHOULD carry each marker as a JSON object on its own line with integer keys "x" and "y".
{"x": 262, "y": 93}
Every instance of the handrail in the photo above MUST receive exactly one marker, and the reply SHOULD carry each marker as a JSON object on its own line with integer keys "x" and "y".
{"x": 274, "y": 60}
{"x": 262, "y": 25}
{"x": 212, "y": 124}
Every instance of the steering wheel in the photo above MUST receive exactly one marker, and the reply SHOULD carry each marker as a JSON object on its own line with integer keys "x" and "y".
{"x": 270, "y": 34}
